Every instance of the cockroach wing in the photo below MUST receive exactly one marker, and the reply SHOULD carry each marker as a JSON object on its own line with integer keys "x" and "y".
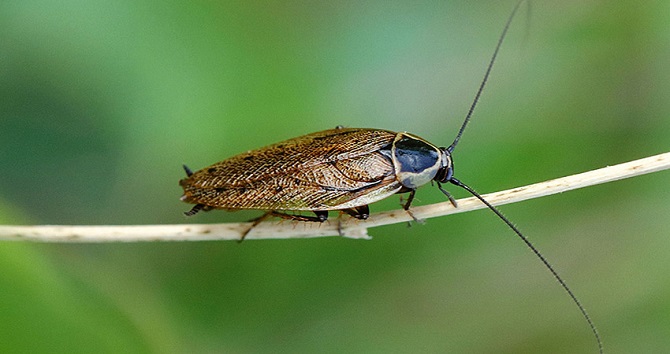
{"x": 329, "y": 170}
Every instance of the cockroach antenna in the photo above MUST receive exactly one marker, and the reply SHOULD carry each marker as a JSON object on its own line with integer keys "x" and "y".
{"x": 458, "y": 183}
{"x": 486, "y": 77}
{"x": 539, "y": 255}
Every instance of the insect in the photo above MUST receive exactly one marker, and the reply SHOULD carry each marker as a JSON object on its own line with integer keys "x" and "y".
{"x": 341, "y": 169}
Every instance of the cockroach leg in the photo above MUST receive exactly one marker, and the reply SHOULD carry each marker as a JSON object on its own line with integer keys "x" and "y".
{"x": 321, "y": 216}
{"x": 406, "y": 205}
{"x": 451, "y": 199}
{"x": 339, "y": 226}
{"x": 256, "y": 221}
{"x": 360, "y": 212}
{"x": 409, "y": 212}
{"x": 414, "y": 218}
{"x": 409, "y": 200}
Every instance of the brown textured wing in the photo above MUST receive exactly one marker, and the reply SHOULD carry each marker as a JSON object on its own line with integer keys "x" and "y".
{"x": 332, "y": 169}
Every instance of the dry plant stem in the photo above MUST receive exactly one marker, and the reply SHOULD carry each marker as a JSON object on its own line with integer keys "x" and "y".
{"x": 350, "y": 227}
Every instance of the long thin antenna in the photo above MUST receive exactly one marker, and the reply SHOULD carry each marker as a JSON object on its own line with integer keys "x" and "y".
{"x": 486, "y": 77}
{"x": 539, "y": 255}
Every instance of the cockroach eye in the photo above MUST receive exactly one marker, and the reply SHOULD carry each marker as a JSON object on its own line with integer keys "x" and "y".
{"x": 447, "y": 169}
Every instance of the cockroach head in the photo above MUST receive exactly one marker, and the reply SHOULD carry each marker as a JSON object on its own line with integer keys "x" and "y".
{"x": 446, "y": 170}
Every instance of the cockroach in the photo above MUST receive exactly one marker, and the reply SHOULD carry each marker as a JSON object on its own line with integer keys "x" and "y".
{"x": 341, "y": 169}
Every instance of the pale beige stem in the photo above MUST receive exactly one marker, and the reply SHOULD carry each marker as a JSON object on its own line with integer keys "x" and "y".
{"x": 349, "y": 227}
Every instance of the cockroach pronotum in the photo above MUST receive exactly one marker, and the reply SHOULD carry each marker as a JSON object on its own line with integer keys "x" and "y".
{"x": 341, "y": 169}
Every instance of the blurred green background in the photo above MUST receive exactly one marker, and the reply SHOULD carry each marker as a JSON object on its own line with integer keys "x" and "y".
{"x": 102, "y": 101}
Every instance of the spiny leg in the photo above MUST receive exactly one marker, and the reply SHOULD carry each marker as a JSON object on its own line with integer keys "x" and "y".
{"x": 321, "y": 216}
{"x": 409, "y": 199}
{"x": 451, "y": 199}
{"x": 256, "y": 221}
{"x": 407, "y": 205}
{"x": 361, "y": 212}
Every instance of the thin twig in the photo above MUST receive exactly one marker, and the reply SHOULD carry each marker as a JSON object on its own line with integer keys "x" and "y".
{"x": 350, "y": 227}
